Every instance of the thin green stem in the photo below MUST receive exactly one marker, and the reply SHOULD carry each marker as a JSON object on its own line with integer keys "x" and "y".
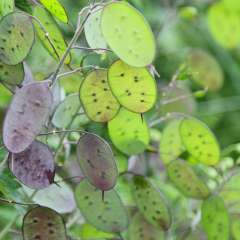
{"x": 8, "y": 227}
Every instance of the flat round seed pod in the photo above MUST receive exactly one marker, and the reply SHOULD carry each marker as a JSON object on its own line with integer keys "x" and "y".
{"x": 186, "y": 180}
{"x": 43, "y": 223}
{"x": 230, "y": 193}
{"x": 66, "y": 110}
{"x": 151, "y": 203}
{"x": 96, "y": 97}
{"x": 140, "y": 229}
{"x": 128, "y": 34}
{"x": 27, "y": 113}
{"x": 54, "y": 34}
{"x": 59, "y": 197}
{"x": 200, "y": 63}
{"x": 34, "y": 167}
{"x": 235, "y": 226}
{"x": 93, "y": 31}
{"x": 11, "y": 75}
{"x": 171, "y": 146}
{"x": 108, "y": 215}
{"x": 56, "y": 9}
{"x": 6, "y": 6}
{"x": 134, "y": 88}
{"x": 223, "y": 21}
{"x": 199, "y": 141}
{"x": 215, "y": 219}
{"x": 97, "y": 162}
{"x": 17, "y": 38}
{"x": 129, "y": 132}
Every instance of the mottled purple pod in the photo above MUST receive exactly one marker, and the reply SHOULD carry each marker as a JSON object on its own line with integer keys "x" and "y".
{"x": 97, "y": 161}
{"x": 43, "y": 223}
{"x": 34, "y": 167}
{"x": 28, "y": 112}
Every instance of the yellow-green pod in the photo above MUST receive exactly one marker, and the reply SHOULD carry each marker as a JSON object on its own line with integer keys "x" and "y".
{"x": 6, "y": 6}
{"x": 140, "y": 229}
{"x": 129, "y": 132}
{"x": 200, "y": 63}
{"x": 96, "y": 97}
{"x": 135, "y": 88}
{"x": 171, "y": 145}
{"x": 215, "y": 219}
{"x": 128, "y": 34}
{"x": 223, "y": 21}
{"x": 199, "y": 141}
{"x": 186, "y": 180}
{"x": 150, "y": 203}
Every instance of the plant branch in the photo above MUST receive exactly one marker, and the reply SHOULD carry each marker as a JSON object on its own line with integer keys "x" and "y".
{"x": 72, "y": 42}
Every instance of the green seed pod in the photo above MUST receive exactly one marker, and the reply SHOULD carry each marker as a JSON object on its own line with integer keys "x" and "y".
{"x": 235, "y": 226}
{"x": 93, "y": 31}
{"x": 106, "y": 214}
{"x": 129, "y": 132}
{"x": 6, "y": 6}
{"x": 215, "y": 219}
{"x": 66, "y": 110}
{"x": 17, "y": 38}
{"x": 230, "y": 193}
{"x": 88, "y": 232}
{"x": 186, "y": 180}
{"x": 223, "y": 21}
{"x": 97, "y": 99}
{"x": 151, "y": 203}
{"x": 199, "y": 63}
{"x": 171, "y": 146}
{"x": 140, "y": 229}
{"x": 134, "y": 88}
{"x": 58, "y": 46}
{"x": 43, "y": 223}
{"x": 11, "y": 75}
{"x": 97, "y": 162}
{"x": 128, "y": 34}
{"x": 56, "y": 9}
{"x": 199, "y": 141}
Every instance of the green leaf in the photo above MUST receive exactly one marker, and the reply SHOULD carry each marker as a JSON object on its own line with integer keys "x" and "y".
{"x": 58, "y": 46}
{"x": 108, "y": 215}
{"x": 66, "y": 111}
{"x": 129, "y": 132}
{"x": 43, "y": 223}
{"x": 56, "y": 9}
{"x": 186, "y": 180}
{"x": 17, "y": 38}
{"x": 199, "y": 141}
{"x": 235, "y": 226}
{"x": 200, "y": 63}
{"x": 215, "y": 219}
{"x": 151, "y": 203}
{"x": 134, "y": 88}
{"x": 128, "y": 34}
{"x": 141, "y": 229}
{"x": 6, "y": 6}
{"x": 171, "y": 146}
{"x": 93, "y": 31}
{"x": 97, "y": 99}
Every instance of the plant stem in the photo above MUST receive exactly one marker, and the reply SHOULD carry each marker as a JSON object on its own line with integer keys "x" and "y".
{"x": 72, "y": 42}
